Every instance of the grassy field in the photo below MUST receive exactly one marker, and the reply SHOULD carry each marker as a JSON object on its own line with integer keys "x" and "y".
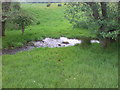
{"x": 66, "y": 67}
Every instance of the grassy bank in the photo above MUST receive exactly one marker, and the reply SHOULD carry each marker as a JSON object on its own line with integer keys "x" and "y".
{"x": 67, "y": 67}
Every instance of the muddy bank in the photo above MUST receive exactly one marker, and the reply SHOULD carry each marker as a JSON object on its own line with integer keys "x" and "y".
{"x": 47, "y": 42}
{"x": 14, "y": 51}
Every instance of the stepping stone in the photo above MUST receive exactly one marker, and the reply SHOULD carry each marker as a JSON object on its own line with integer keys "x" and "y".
{"x": 65, "y": 42}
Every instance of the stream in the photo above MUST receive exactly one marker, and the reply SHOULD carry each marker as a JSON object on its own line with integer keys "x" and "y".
{"x": 47, "y": 42}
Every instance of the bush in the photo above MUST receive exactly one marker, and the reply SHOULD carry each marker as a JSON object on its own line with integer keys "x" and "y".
{"x": 81, "y": 15}
{"x": 65, "y": 4}
{"x": 38, "y": 23}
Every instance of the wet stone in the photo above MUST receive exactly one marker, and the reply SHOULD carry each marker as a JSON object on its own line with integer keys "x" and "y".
{"x": 59, "y": 44}
{"x": 65, "y": 42}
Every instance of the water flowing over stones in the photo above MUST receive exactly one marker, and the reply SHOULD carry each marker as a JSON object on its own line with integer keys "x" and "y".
{"x": 62, "y": 42}
{"x": 47, "y": 42}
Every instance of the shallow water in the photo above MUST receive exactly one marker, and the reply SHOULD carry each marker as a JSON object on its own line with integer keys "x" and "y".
{"x": 47, "y": 42}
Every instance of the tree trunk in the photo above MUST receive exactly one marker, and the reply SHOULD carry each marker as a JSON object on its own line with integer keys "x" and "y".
{"x": 0, "y": 29}
{"x": 119, "y": 23}
{"x": 3, "y": 25}
{"x": 94, "y": 8}
{"x": 105, "y": 41}
{"x": 104, "y": 9}
{"x": 119, "y": 12}
{"x": 104, "y": 15}
{"x": 23, "y": 29}
{"x": 3, "y": 28}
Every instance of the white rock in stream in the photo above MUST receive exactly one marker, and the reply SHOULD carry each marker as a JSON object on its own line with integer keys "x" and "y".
{"x": 71, "y": 42}
{"x": 95, "y": 41}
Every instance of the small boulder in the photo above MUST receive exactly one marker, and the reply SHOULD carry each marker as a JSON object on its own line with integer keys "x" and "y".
{"x": 59, "y": 5}
{"x": 48, "y": 5}
{"x": 65, "y": 42}
{"x": 59, "y": 44}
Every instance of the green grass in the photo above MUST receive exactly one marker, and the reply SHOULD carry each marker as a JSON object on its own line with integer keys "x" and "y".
{"x": 67, "y": 67}
{"x": 52, "y": 24}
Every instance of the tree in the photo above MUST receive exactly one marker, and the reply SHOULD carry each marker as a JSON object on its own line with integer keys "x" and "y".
{"x": 102, "y": 17}
{"x": 119, "y": 12}
{"x": 23, "y": 20}
{"x": 8, "y": 9}
{"x": 5, "y": 15}
{"x": 0, "y": 19}
{"x": 16, "y": 6}
{"x": 96, "y": 15}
